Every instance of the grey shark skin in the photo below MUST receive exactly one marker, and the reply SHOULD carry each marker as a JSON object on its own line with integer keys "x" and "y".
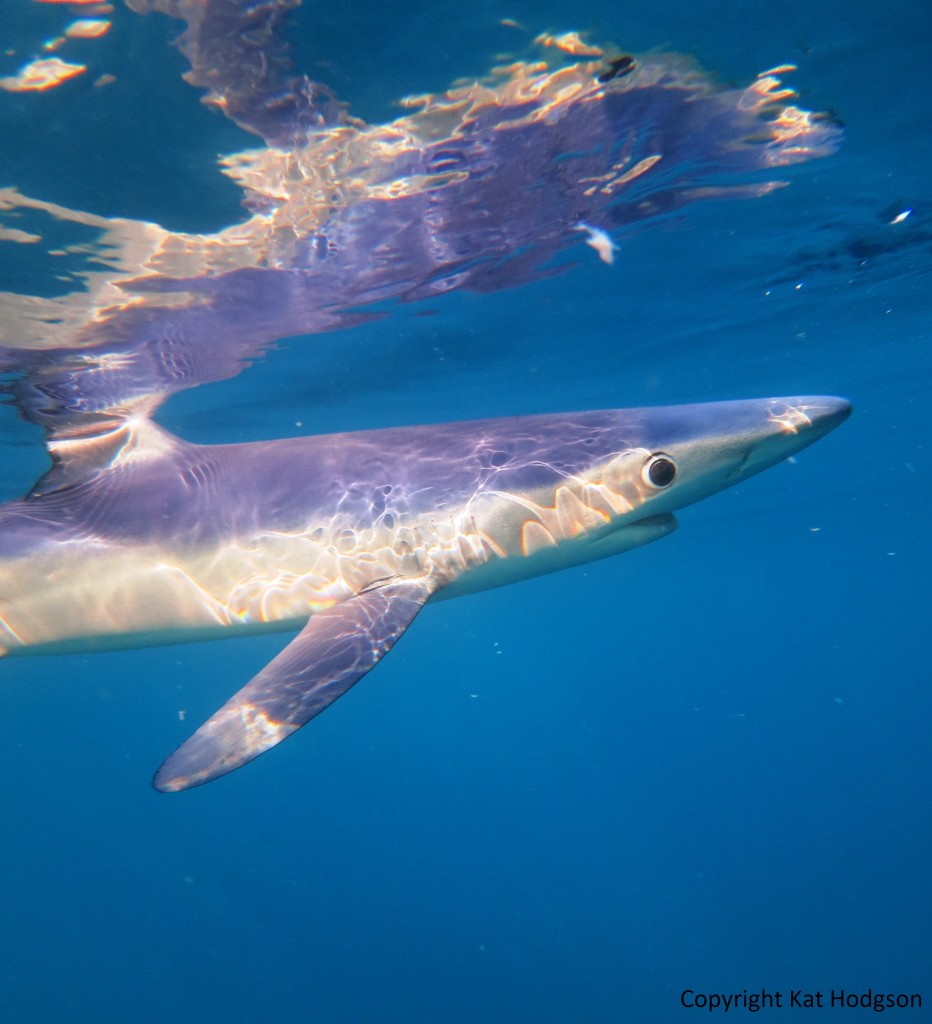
{"x": 347, "y": 536}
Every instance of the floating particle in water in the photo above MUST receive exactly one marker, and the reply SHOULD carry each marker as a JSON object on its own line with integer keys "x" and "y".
{"x": 600, "y": 241}
{"x": 618, "y": 67}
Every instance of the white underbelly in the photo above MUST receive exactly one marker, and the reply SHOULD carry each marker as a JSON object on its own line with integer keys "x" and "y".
{"x": 94, "y": 595}
{"x": 87, "y": 594}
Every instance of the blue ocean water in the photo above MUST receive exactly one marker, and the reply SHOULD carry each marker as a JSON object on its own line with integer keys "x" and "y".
{"x": 700, "y": 766}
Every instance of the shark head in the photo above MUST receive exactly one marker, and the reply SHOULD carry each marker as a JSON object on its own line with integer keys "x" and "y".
{"x": 577, "y": 487}
{"x": 678, "y": 455}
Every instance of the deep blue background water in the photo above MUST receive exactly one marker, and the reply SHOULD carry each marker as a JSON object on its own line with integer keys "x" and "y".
{"x": 704, "y": 765}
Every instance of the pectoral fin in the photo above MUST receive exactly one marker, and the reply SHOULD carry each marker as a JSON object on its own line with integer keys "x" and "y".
{"x": 336, "y": 648}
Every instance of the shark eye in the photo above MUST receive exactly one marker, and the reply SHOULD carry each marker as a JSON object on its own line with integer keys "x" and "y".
{"x": 659, "y": 471}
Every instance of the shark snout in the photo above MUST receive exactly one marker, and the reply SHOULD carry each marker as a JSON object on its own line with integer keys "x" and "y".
{"x": 791, "y": 424}
{"x": 719, "y": 444}
{"x": 814, "y": 416}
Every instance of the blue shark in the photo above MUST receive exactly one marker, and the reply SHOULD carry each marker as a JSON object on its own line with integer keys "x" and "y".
{"x": 147, "y": 539}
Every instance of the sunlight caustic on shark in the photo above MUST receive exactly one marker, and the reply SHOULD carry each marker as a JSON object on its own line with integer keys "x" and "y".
{"x": 136, "y": 537}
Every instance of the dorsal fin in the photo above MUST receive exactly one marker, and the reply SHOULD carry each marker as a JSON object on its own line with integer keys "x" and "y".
{"x": 78, "y": 457}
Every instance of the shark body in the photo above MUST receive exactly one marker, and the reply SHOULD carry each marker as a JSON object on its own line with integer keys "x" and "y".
{"x": 346, "y": 536}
